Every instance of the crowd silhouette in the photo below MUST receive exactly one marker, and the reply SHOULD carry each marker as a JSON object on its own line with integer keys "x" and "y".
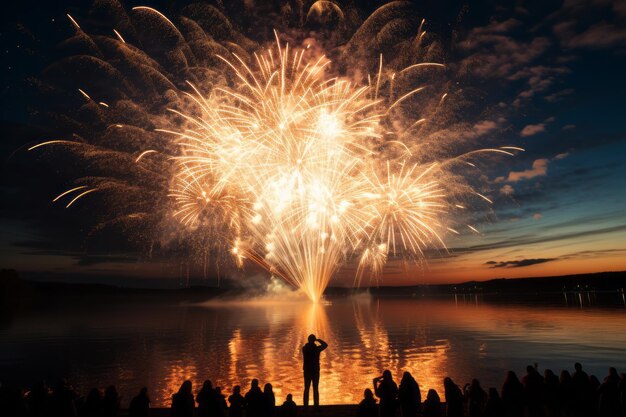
{"x": 536, "y": 394}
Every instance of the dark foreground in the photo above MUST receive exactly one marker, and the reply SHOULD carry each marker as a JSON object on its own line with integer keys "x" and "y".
{"x": 535, "y": 394}
{"x": 324, "y": 411}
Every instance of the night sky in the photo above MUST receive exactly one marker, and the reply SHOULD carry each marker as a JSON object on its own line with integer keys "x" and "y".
{"x": 547, "y": 76}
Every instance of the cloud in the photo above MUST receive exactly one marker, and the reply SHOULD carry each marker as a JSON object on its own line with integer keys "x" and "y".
{"x": 592, "y": 24}
{"x": 568, "y": 127}
{"x": 561, "y": 155}
{"x": 468, "y": 132}
{"x": 559, "y": 95}
{"x": 533, "y": 239}
{"x": 539, "y": 78}
{"x": 600, "y": 35}
{"x": 537, "y": 216}
{"x": 519, "y": 264}
{"x": 588, "y": 254}
{"x": 494, "y": 54}
{"x": 593, "y": 253}
{"x": 540, "y": 168}
{"x": 531, "y": 130}
{"x": 484, "y": 127}
{"x": 507, "y": 190}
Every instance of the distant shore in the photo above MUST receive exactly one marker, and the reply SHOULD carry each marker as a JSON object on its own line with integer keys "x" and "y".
{"x": 17, "y": 290}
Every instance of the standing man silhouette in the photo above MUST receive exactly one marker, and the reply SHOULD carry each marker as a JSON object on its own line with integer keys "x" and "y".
{"x": 311, "y": 367}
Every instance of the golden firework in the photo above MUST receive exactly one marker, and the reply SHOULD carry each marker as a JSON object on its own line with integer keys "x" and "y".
{"x": 287, "y": 158}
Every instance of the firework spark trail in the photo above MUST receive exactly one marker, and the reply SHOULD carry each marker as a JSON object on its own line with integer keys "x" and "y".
{"x": 296, "y": 170}
{"x": 287, "y": 159}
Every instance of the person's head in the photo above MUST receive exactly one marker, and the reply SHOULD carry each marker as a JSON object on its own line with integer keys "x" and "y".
{"x": 578, "y": 367}
{"x": 511, "y": 377}
{"x": 530, "y": 369}
{"x": 236, "y": 389}
{"x": 368, "y": 394}
{"x": 254, "y": 383}
{"x": 268, "y": 388}
{"x": 406, "y": 376}
{"x": 565, "y": 375}
{"x": 218, "y": 390}
{"x": 475, "y": 383}
{"x": 387, "y": 375}
{"x": 493, "y": 393}
{"x": 612, "y": 372}
{"x": 312, "y": 338}
{"x": 185, "y": 388}
{"x": 289, "y": 398}
{"x": 548, "y": 374}
{"x": 432, "y": 396}
{"x": 448, "y": 382}
{"x": 207, "y": 385}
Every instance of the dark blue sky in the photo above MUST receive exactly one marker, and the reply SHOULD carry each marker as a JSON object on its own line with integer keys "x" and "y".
{"x": 547, "y": 76}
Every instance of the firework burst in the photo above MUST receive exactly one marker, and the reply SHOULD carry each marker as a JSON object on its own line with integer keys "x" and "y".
{"x": 279, "y": 161}
{"x": 287, "y": 159}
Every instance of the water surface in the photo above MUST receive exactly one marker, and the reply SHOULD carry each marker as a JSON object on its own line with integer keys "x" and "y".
{"x": 159, "y": 344}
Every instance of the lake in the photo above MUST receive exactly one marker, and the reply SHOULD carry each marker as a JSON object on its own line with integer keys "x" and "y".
{"x": 159, "y": 344}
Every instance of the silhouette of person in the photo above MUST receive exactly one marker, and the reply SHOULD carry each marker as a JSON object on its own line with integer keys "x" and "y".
{"x": 183, "y": 402}
{"x": 594, "y": 394}
{"x": 206, "y": 400}
{"x": 289, "y": 408}
{"x": 551, "y": 393}
{"x": 221, "y": 408}
{"x": 566, "y": 393}
{"x": 140, "y": 404}
{"x": 610, "y": 395}
{"x": 432, "y": 405}
{"x": 533, "y": 388}
{"x": 367, "y": 406}
{"x": 387, "y": 390}
{"x": 454, "y": 398}
{"x": 622, "y": 392}
{"x": 237, "y": 403}
{"x": 311, "y": 367}
{"x": 93, "y": 404}
{"x": 63, "y": 400}
{"x": 583, "y": 395}
{"x": 254, "y": 400}
{"x": 12, "y": 400}
{"x": 494, "y": 407}
{"x": 476, "y": 398}
{"x": 38, "y": 401}
{"x": 513, "y": 395}
{"x": 269, "y": 401}
{"x": 110, "y": 402}
{"x": 409, "y": 395}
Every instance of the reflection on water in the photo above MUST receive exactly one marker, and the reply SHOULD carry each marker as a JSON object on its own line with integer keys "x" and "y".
{"x": 161, "y": 345}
